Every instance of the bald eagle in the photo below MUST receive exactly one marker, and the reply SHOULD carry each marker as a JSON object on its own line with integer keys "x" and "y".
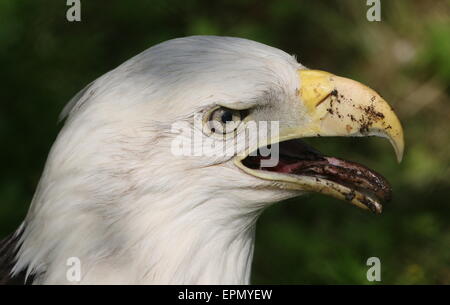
{"x": 117, "y": 194}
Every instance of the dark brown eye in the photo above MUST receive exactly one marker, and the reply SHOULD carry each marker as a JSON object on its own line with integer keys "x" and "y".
{"x": 224, "y": 120}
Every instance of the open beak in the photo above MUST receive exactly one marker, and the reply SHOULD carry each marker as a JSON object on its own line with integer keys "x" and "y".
{"x": 329, "y": 105}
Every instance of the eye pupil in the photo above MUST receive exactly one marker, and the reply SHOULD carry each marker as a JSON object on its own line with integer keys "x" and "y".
{"x": 227, "y": 116}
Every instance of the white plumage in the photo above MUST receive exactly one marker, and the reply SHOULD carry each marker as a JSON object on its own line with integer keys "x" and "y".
{"x": 113, "y": 195}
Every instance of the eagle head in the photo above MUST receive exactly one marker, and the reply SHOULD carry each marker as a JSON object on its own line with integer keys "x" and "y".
{"x": 165, "y": 163}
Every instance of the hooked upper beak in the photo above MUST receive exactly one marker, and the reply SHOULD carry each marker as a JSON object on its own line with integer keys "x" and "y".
{"x": 338, "y": 106}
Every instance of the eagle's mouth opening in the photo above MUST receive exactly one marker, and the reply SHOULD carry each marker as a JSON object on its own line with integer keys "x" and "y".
{"x": 298, "y": 159}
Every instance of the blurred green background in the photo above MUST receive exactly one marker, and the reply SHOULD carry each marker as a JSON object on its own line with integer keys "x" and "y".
{"x": 45, "y": 60}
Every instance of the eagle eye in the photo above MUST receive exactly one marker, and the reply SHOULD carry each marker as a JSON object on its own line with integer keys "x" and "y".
{"x": 224, "y": 120}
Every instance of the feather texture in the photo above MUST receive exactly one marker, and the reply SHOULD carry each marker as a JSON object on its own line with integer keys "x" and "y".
{"x": 113, "y": 195}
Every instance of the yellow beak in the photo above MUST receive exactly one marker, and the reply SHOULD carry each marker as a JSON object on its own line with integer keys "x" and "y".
{"x": 329, "y": 105}
{"x": 338, "y": 106}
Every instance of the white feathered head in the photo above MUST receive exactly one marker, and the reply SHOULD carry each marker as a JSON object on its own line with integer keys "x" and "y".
{"x": 155, "y": 178}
